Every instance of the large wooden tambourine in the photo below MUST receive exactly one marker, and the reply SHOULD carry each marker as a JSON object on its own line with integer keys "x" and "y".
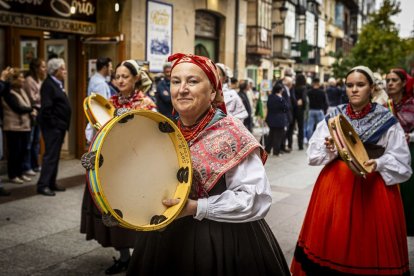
{"x": 136, "y": 160}
{"x": 349, "y": 146}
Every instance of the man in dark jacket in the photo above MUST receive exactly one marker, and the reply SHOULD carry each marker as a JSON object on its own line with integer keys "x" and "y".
{"x": 163, "y": 95}
{"x": 289, "y": 95}
{"x": 54, "y": 121}
{"x": 276, "y": 119}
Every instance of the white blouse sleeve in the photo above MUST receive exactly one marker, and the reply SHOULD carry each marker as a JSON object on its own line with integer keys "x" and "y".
{"x": 317, "y": 152}
{"x": 247, "y": 198}
{"x": 395, "y": 164}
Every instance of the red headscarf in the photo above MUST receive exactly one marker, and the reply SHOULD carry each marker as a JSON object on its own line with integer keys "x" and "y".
{"x": 209, "y": 68}
{"x": 409, "y": 81}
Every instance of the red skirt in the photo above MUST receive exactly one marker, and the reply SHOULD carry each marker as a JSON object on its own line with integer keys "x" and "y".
{"x": 353, "y": 225}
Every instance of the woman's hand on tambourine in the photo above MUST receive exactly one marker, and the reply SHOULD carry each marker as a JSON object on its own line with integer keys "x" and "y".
{"x": 190, "y": 207}
{"x": 371, "y": 162}
{"x": 329, "y": 143}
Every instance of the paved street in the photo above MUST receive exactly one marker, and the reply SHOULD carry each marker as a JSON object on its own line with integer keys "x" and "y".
{"x": 40, "y": 235}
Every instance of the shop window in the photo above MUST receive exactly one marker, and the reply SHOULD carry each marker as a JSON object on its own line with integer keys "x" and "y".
{"x": 339, "y": 15}
{"x": 252, "y": 74}
{"x": 206, "y": 35}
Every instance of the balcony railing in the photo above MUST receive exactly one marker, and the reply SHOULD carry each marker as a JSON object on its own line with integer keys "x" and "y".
{"x": 259, "y": 40}
{"x": 346, "y": 44}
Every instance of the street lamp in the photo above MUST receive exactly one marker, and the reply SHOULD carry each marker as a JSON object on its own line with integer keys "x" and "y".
{"x": 329, "y": 37}
{"x": 282, "y": 13}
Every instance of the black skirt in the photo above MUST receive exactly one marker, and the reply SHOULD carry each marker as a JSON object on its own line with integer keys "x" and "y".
{"x": 191, "y": 247}
{"x": 93, "y": 227}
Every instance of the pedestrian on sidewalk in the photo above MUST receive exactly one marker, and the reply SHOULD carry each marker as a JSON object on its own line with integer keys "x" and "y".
{"x": 54, "y": 121}
{"x": 163, "y": 95}
{"x": 276, "y": 119}
{"x": 334, "y": 95}
{"x": 221, "y": 229}
{"x": 98, "y": 85}
{"x": 233, "y": 102}
{"x": 17, "y": 110}
{"x": 299, "y": 116}
{"x": 355, "y": 225}
{"x": 290, "y": 97}
{"x": 33, "y": 82}
{"x": 4, "y": 88}
{"x": 400, "y": 91}
{"x": 318, "y": 105}
{"x": 131, "y": 80}
{"x": 248, "y": 122}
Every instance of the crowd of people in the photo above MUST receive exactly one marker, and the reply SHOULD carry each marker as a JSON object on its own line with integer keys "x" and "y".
{"x": 353, "y": 225}
{"x": 32, "y": 104}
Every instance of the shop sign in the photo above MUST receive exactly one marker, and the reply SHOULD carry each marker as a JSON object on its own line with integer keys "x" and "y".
{"x": 46, "y": 23}
{"x": 159, "y": 34}
{"x": 81, "y": 10}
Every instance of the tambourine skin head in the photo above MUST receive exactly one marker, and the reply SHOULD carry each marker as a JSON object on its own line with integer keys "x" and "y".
{"x": 142, "y": 166}
{"x": 98, "y": 110}
{"x": 349, "y": 146}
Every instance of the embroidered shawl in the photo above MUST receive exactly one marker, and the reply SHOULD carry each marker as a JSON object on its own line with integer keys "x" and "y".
{"x": 405, "y": 114}
{"x": 217, "y": 149}
{"x": 372, "y": 126}
{"x": 138, "y": 100}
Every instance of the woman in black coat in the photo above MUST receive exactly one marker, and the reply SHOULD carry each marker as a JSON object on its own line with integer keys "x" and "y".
{"x": 276, "y": 119}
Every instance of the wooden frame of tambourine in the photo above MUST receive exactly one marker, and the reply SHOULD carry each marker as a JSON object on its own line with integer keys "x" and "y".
{"x": 340, "y": 128}
{"x": 87, "y": 107}
{"x": 184, "y": 160}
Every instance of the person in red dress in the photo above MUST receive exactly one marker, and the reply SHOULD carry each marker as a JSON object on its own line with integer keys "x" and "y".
{"x": 355, "y": 225}
{"x": 400, "y": 90}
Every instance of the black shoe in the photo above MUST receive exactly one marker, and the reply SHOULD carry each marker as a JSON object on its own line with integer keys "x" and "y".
{"x": 46, "y": 191}
{"x": 57, "y": 188}
{"x": 117, "y": 267}
{"x": 4, "y": 192}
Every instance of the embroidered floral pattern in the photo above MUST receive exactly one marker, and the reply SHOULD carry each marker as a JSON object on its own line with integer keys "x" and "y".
{"x": 405, "y": 114}
{"x": 370, "y": 127}
{"x": 216, "y": 150}
{"x": 137, "y": 100}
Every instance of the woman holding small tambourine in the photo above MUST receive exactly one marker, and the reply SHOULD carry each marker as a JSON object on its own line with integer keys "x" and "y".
{"x": 400, "y": 91}
{"x": 355, "y": 225}
{"x": 132, "y": 83}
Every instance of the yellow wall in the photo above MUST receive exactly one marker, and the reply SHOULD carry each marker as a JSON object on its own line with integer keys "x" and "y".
{"x": 133, "y": 26}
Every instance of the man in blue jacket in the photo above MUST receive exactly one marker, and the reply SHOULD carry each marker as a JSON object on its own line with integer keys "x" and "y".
{"x": 163, "y": 95}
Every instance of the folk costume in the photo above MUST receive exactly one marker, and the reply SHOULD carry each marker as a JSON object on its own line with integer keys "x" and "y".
{"x": 355, "y": 225}
{"x": 137, "y": 100}
{"x": 228, "y": 235}
{"x": 404, "y": 111}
